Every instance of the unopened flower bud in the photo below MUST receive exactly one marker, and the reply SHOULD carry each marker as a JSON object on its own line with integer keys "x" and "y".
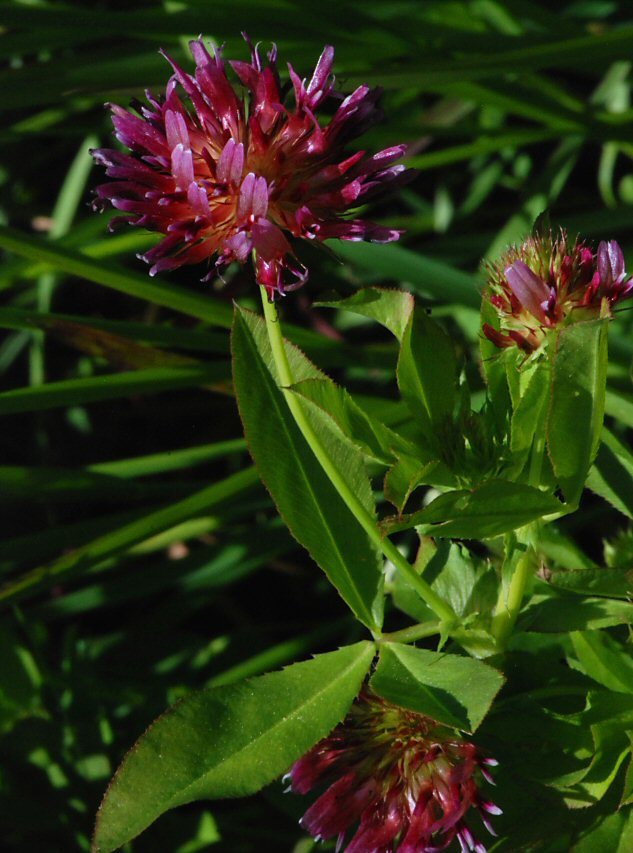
{"x": 546, "y": 283}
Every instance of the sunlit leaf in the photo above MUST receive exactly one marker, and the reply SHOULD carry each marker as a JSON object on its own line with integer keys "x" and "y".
{"x": 495, "y": 507}
{"x": 453, "y": 690}
{"x": 305, "y": 497}
{"x": 576, "y": 408}
{"x": 229, "y": 741}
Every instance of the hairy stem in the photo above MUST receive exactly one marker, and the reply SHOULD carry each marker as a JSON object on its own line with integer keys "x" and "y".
{"x": 442, "y": 610}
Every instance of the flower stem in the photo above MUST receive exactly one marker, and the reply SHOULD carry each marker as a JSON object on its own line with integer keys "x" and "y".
{"x": 441, "y": 609}
{"x": 507, "y": 609}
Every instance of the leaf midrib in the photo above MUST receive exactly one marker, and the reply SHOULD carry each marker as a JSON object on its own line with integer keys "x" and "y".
{"x": 291, "y": 440}
{"x": 314, "y": 698}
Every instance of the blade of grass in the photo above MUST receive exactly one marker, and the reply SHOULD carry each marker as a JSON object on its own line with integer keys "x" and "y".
{"x": 202, "y": 571}
{"x": 62, "y": 218}
{"x": 92, "y": 389}
{"x": 161, "y": 293}
{"x": 43, "y": 484}
{"x": 425, "y": 275}
{"x": 530, "y": 53}
{"x": 121, "y": 540}
{"x": 162, "y": 335}
{"x": 169, "y": 295}
{"x": 170, "y": 460}
{"x": 482, "y": 145}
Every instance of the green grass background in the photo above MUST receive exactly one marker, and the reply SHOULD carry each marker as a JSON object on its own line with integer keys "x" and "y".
{"x": 141, "y": 558}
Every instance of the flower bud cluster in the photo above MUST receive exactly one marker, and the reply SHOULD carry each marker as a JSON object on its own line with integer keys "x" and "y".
{"x": 548, "y": 282}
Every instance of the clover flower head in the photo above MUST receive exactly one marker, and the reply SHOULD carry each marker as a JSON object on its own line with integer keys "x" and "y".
{"x": 233, "y": 176}
{"x": 551, "y": 281}
{"x": 403, "y": 782}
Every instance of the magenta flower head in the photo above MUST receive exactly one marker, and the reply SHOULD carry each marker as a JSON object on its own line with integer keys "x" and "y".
{"x": 549, "y": 282}
{"x": 225, "y": 176}
{"x": 403, "y": 782}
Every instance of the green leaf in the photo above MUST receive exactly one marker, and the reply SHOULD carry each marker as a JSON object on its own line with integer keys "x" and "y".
{"x": 627, "y": 793}
{"x": 409, "y": 472}
{"x": 493, "y": 361}
{"x": 465, "y": 582}
{"x": 604, "y": 660}
{"x": 308, "y": 502}
{"x": 456, "y": 691}
{"x": 605, "y": 706}
{"x": 611, "y": 748}
{"x": 612, "y": 583}
{"x": 545, "y": 745}
{"x": 390, "y": 308}
{"x": 229, "y": 741}
{"x": 559, "y": 613}
{"x": 613, "y": 833}
{"x": 527, "y": 417}
{"x": 519, "y": 374}
{"x": 611, "y": 476}
{"x": 578, "y": 356}
{"x": 427, "y": 372}
{"x": 404, "y": 597}
{"x": 366, "y": 432}
{"x": 491, "y": 509}
{"x": 404, "y": 476}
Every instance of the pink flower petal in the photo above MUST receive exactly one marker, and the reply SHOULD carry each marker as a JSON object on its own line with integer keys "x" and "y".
{"x": 528, "y": 288}
{"x": 221, "y": 178}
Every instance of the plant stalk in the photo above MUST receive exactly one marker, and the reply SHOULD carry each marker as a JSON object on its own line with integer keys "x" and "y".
{"x": 507, "y": 610}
